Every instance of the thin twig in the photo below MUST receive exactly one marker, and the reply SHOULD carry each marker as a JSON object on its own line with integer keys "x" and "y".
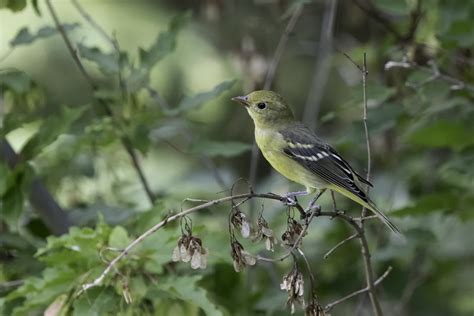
{"x": 369, "y": 272}
{"x": 255, "y": 156}
{"x": 9, "y": 284}
{"x": 126, "y": 142}
{"x": 297, "y": 241}
{"x": 329, "y": 306}
{"x": 373, "y": 12}
{"x": 94, "y": 24}
{"x": 322, "y": 65}
{"x": 282, "y": 45}
{"x": 327, "y": 254}
{"x": 435, "y": 73}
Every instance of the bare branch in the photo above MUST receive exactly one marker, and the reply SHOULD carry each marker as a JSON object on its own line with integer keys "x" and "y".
{"x": 94, "y": 24}
{"x": 246, "y": 196}
{"x": 369, "y": 272}
{"x": 379, "y": 16}
{"x": 433, "y": 70}
{"x": 327, "y": 254}
{"x": 329, "y": 306}
{"x": 281, "y": 46}
{"x": 126, "y": 142}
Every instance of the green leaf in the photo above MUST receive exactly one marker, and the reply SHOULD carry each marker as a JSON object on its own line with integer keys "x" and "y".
{"x": 185, "y": 288}
{"x": 97, "y": 302}
{"x": 14, "y": 5}
{"x": 13, "y": 197}
{"x": 16, "y": 80}
{"x": 223, "y": 149}
{"x": 41, "y": 292}
{"x": 24, "y": 36}
{"x": 51, "y": 128}
{"x": 164, "y": 44}
{"x": 108, "y": 63}
{"x": 119, "y": 238}
{"x": 198, "y": 100}
{"x": 140, "y": 137}
{"x": 442, "y": 134}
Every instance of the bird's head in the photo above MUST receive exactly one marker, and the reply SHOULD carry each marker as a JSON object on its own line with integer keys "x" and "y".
{"x": 266, "y": 108}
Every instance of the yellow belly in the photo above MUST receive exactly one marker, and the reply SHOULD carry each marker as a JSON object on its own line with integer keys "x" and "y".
{"x": 268, "y": 142}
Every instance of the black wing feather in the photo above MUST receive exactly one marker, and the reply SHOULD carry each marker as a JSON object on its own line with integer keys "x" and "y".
{"x": 324, "y": 161}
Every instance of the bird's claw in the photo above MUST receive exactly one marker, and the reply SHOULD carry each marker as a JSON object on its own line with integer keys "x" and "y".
{"x": 290, "y": 200}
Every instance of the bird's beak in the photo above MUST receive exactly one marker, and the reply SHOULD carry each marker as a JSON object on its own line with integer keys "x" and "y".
{"x": 242, "y": 100}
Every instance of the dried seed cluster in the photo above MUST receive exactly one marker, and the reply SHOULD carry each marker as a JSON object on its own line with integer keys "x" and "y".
{"x": 241, "y": 257}
{"x": 293, "y": 283}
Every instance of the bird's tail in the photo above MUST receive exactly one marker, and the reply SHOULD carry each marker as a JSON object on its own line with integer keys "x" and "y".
{"x": 384, "y": 218}
{"x": 369, "y": 205}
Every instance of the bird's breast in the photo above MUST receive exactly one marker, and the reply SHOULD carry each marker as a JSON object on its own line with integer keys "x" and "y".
{"x": 272, "y": 144}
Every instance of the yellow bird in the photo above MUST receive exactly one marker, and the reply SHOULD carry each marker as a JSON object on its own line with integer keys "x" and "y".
{"x": 298, "y": 154}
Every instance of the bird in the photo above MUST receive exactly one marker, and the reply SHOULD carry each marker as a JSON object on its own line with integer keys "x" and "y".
{"x": 297, "y": 153}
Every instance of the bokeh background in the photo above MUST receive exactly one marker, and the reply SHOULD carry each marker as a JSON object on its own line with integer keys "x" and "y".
{"x": 166, "y": 70}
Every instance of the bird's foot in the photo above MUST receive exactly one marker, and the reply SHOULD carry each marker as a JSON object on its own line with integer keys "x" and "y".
{"x": 290, "y": 200}
{"x": 308, "y": 213}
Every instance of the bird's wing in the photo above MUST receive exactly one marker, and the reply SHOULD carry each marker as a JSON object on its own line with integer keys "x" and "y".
{"x": 321, "y": 159}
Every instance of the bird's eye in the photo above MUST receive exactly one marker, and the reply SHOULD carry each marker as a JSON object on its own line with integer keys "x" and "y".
{"x": 261, "y": 105}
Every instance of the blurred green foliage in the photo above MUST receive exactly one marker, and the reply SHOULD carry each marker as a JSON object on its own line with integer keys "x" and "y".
{"x": 171, "y": 101}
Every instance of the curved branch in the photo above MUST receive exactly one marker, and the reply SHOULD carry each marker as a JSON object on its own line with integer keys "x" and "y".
{"x": 125, "y": 140}
{"x": 316, "y": 213}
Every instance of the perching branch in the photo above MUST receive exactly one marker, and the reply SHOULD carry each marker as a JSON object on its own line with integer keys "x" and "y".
{"x": 316, "y": 212}
{"x": 125, "y": 140}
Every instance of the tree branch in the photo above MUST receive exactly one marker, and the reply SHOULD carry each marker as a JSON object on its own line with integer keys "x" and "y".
{"x": 330, "y": 306}
{"x": 246, "y": 196}
{"x": 125, "y": 140}
{"x": 54, "y": 217}
{"x": 327, "y": 254}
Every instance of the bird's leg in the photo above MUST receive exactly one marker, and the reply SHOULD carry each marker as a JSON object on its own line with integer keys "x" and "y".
{"x": 291, "y": 197}
{"x": 313, "y": 201}
{"x": 333, "y": 201}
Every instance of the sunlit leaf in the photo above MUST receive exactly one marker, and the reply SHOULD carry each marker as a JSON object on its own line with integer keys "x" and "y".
{"x": 186, "y": 289}
{"x": 197, "y": 100}
{"x": 51, "y": 128}
{"x": 164, "y": 44}
{"x": 119, "y": 238}
{"x": 442, "y": 134}
{"x": 16, "y": 80}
